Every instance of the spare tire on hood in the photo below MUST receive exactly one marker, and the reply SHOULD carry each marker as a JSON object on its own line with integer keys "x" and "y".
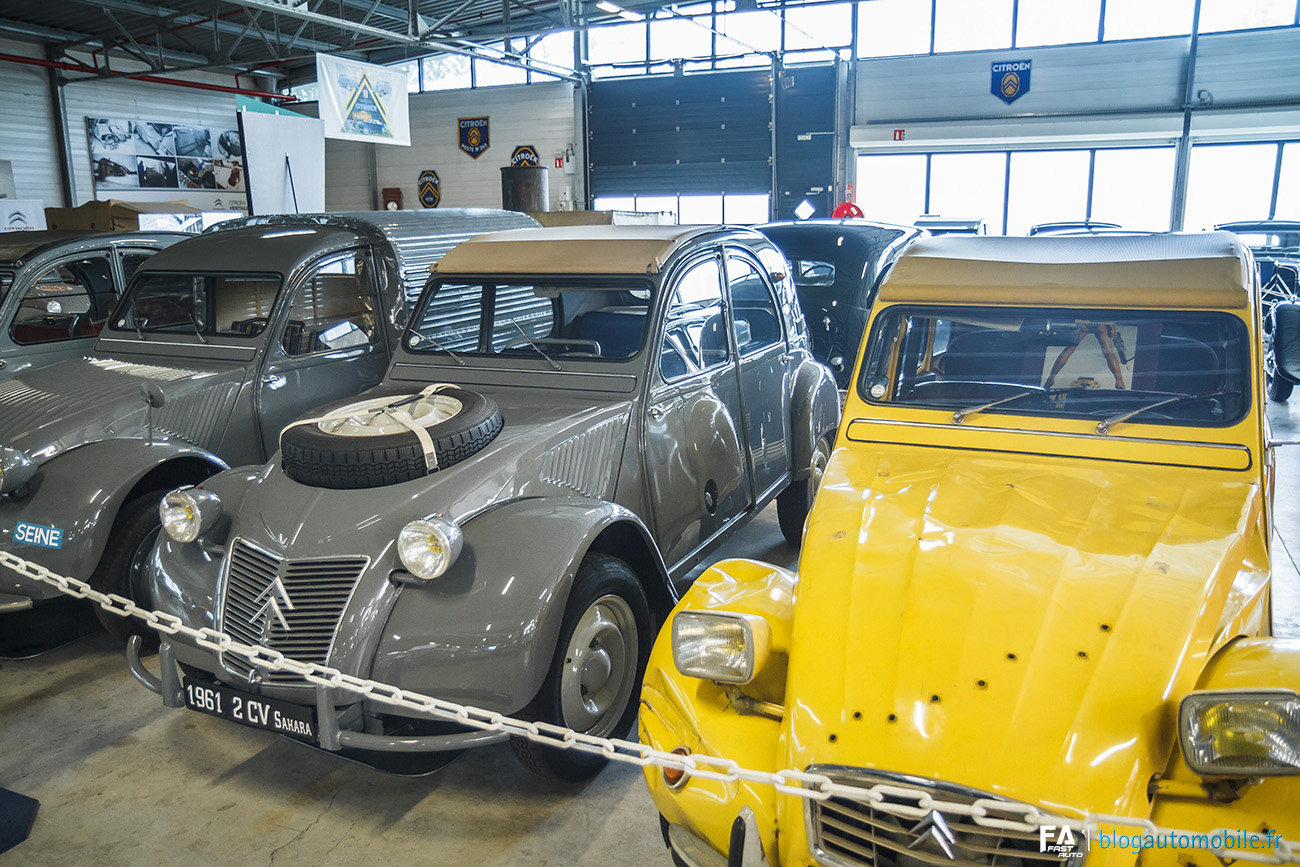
{"x": 388, "y": 436}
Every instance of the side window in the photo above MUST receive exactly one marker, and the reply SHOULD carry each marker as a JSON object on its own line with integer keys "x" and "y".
{"x": 333, "y": 309}
{"x": 70, "y": 300}
{"x": 695, "y": 335}
{"x": 753, "y": 310}
{"x": 132, "y": 260}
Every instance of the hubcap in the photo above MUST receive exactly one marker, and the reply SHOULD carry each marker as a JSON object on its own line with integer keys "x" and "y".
{"x": 599, "y": 667}
{"x": 821, "y": 456}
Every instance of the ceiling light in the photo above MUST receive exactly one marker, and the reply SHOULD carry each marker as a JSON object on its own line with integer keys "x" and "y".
{"x": 611, "y": 8}
{"x": 631, "y": 16}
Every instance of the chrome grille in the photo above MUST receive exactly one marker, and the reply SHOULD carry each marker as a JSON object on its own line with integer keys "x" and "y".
{"x": 845, "y": 832}
{"x": 318, "y": 588}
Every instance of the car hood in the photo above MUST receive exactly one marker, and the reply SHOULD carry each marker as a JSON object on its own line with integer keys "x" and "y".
{"x": 1021, "y": 626}
{"x": 56, "y": 408}
{"x": 549, "y": 445}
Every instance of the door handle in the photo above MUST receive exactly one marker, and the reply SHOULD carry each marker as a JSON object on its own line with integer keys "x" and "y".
{"x": 274, "y": 381}
{"x": 656, "y": 412}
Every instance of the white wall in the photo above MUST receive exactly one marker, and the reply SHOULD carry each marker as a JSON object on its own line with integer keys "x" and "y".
{"x": 541, "y": 115}
{"x": 26, "y": 134}
{"x": 1107, "y": 95}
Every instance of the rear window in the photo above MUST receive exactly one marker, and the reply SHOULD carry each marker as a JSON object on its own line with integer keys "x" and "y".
{"x": 532, "y": 318}
{"x": 1168, "y": 367}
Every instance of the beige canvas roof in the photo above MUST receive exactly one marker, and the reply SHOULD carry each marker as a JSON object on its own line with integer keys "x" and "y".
{"x": 1206, "y": 269}
{"x": 570, "y": 250}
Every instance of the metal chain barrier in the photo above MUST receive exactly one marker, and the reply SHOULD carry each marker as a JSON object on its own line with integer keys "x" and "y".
{"x": 987, "y": 812}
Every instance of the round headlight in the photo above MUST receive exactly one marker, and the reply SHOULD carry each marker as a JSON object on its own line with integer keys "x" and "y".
{"x": 180, "y": 516}
{"x": 428, "y": 548}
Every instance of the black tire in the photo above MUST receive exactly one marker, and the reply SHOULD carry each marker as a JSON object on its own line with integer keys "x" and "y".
{"x": 322, "y": 460}
{"x": 121, "y": 568}
{"x": 1278, "y": 389}
{"x": 795, "y": 502}
{"x": 607, "y": 586}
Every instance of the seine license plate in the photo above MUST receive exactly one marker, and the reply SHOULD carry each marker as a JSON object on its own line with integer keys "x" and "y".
{"x": 271, "y": 714}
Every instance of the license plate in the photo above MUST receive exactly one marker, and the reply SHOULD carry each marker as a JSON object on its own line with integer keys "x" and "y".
{"x": 281, "y": 717}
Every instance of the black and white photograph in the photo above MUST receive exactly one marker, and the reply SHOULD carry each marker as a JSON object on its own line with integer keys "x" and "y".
{"x": 116, "y": 172}
{"x": 110, "y": 136}
{"x": 227, "y": 144}
{"x": 153, "y": 139}
{"x": 156, "y": 172}
{"x": 193, "y": 141}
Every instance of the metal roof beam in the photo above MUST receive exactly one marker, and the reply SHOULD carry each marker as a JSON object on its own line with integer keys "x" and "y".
{"x": 175, "y": 18}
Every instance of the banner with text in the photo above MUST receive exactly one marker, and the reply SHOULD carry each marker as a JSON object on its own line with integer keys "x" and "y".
{"x": 362, "y": 101}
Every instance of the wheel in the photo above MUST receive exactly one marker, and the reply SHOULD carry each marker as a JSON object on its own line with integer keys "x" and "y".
{"x": 1277, "y": 387}
{"x": 358, "y": 447}
{"x": 121, "y": 568}
{"x": 594, "y": 683}
{"x": 794, "y": 503}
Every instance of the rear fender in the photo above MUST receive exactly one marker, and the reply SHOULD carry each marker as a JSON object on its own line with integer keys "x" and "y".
{"x": 484, "y": 633}
{"x": 80, "y": 492}
{"x": 816, "y": 412}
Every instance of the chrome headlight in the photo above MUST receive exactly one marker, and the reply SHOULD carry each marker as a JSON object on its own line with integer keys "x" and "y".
{"x": 187, "y": 513}
{"x": 1226, "y": 733}
{"x": 16, "y": 470}
{"x": 719, "y": 645}
{"x": 428, "y": 548}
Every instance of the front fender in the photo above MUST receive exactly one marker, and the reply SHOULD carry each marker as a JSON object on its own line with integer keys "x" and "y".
{"x": 680, "y": 711}
{"x": 485, "y": 632}
{"x": 1182, "y": 799}
{"x": 80, "y": 492}
{"x": 816, "y": 412}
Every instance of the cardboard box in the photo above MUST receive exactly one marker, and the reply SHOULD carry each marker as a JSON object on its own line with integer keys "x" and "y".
{"x": 113, "y": 214}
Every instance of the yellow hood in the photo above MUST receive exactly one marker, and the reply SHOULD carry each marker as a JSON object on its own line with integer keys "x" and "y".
{"x": 1021, "y": 625}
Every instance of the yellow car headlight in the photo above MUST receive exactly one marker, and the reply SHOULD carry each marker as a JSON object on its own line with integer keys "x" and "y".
{"x": 720, "y": 645}
{"x": 187, "y": 513}
{"x": 1228, "y": 733}
{"x": 428, "y": 548}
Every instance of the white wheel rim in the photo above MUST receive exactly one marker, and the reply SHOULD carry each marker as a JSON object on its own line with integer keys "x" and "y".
{"x": 363, "y": 418}
{"x": 599, "y": 667}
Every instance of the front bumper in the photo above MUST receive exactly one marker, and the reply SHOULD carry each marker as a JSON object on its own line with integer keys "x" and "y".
{"x": 338, "y": 728}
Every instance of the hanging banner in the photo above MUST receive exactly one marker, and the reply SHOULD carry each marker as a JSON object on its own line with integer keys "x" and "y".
{"x": 362, "y": 101}
{"x": 430, "y": 189}
{"x": 473, "y": 135}
{"x": 1010, "y": 79}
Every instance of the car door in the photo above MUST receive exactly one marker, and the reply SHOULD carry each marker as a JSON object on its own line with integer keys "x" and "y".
{"x": 694, "y": 450}
{"x": 330, "y": 345}
{"x": 764, "y": 363}
{"x": 62, "y": 309}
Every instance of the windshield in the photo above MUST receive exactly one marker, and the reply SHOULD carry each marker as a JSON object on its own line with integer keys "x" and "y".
{"x": 1071, "y": 363}
{"x": 226, "y": 305}
{"x": 552, "y": 320}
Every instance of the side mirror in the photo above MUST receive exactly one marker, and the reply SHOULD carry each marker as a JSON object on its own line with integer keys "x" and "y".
{"x": 1286, "y": 339}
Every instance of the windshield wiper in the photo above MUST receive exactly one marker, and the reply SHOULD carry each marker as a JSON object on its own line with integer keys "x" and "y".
{"x": 961, "y": 414}
{"x": 535, "y": 347}
{"x": 198, "y": 329}
{"x": 1104, "y": 426}
{"x": 424, "y": 338}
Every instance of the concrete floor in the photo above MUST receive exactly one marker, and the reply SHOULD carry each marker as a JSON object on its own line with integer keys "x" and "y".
{"x": 124, "y": 781}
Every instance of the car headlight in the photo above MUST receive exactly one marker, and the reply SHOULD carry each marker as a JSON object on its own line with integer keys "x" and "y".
{"x": 428, "y": 548}
{"x": 1241, "y": 734}
{"x": 187, "y": 513}
{"x": 719, "y": 645}
{"x": 16, "y": 470}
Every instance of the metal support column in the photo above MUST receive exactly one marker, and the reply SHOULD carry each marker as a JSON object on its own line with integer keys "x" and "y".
{"x": 1182, "y": 162}
{"x": 62, "y": 146}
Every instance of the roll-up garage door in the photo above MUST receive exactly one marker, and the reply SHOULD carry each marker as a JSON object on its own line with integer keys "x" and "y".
{"x": 688, "y": 134}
